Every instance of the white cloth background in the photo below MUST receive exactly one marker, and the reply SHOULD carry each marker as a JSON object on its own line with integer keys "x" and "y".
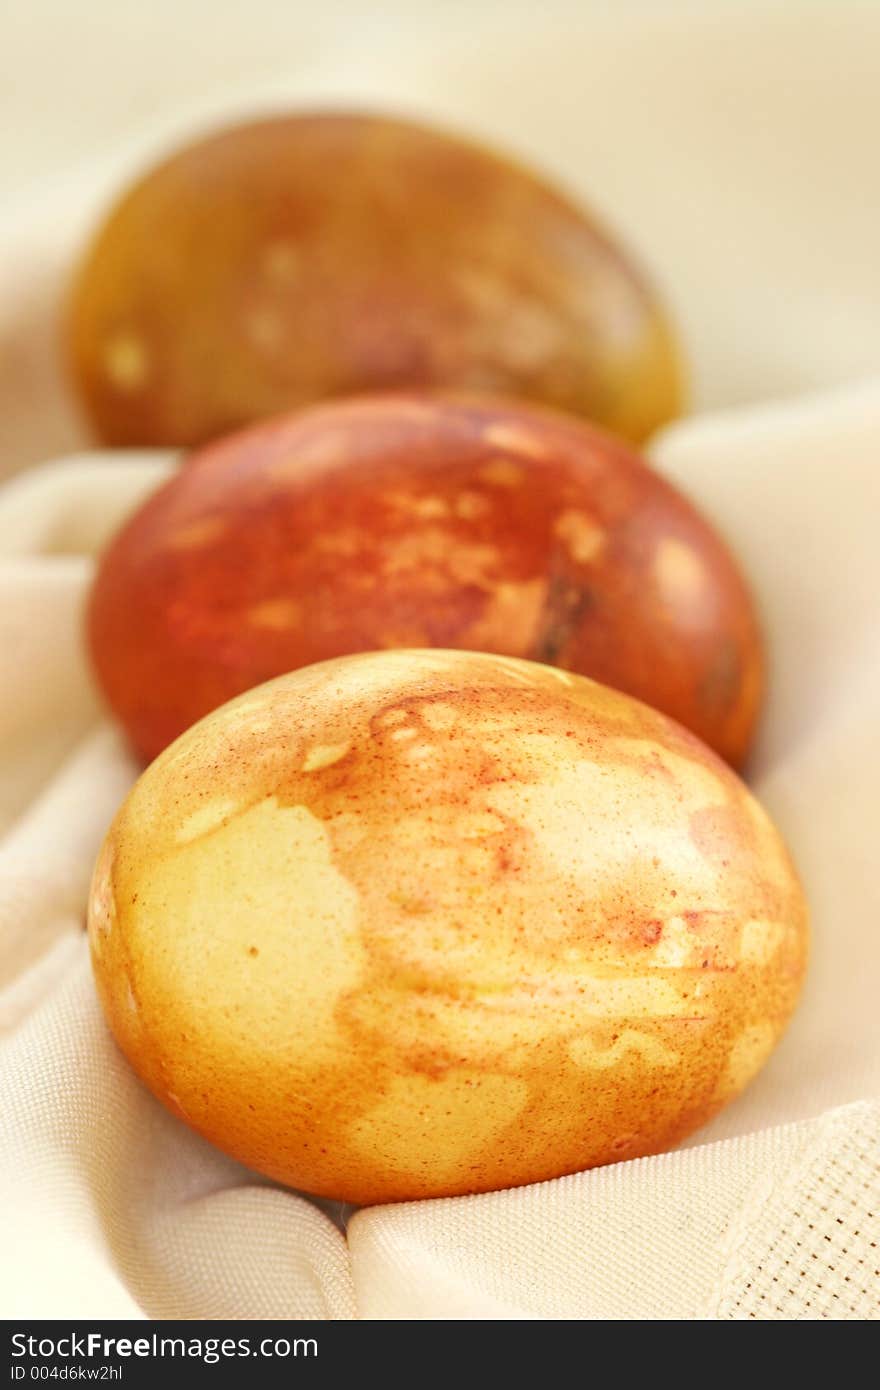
{"x": 737, "y": 154}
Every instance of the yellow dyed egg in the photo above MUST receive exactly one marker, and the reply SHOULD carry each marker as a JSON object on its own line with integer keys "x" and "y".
{"x": 418, "y": 923}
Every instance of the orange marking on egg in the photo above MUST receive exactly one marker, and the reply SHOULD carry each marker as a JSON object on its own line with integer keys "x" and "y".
{"x": 276, "y": 614}
{"x": 502, "y": 472}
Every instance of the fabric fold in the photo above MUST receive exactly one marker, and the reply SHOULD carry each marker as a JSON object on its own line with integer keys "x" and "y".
{"x": 113, "y": 1208}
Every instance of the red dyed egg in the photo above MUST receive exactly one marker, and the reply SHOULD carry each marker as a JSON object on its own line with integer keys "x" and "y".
{"x": 419, "y": 521}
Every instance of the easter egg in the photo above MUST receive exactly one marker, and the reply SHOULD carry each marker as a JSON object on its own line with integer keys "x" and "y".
{"x": 419, "y": 923}
{"x": 411, "y": 521}
{"x": 304, "y": 256}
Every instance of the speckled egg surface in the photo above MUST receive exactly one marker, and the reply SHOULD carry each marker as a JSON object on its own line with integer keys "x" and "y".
{"x": 419, "y": 923}
{"x": 415, "y": 520}
{"x": 315, "y": 255}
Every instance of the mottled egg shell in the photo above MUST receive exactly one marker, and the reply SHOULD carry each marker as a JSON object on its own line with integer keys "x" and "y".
{"x": 410, "y": 924}
{"x": 307, "y": 256}
{"x": 411, "y": 521}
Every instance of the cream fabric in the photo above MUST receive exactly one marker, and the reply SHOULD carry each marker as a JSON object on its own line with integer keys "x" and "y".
{"x": 682, "y": 128}
{"x": 110, "y": 1206}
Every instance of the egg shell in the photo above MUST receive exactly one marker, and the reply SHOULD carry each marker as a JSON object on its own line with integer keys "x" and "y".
{"x": 413, "y": 924}
{"x": 417, "y": 520}
{"x": 314, "y": 255}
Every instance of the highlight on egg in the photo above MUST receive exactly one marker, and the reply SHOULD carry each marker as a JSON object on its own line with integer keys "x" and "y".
{"x": 420, "y": 923}
{"x": 411, "y": 520}
{"x": 318, "y": 254}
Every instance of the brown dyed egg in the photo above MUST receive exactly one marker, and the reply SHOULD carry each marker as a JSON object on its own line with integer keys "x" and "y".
{"x": 307, "y": 256}
{"x": 418, "y": 923}
{"x": 413, "y": 521}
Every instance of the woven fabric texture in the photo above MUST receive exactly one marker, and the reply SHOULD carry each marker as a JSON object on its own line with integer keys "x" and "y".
{"x": 112, "y": 1207}
{"x": 761, "y": 222}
